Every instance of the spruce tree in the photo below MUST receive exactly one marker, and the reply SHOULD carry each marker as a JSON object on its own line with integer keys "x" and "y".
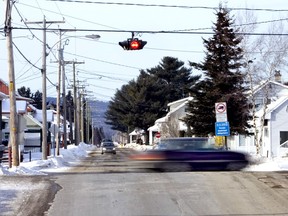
{"x": 222, "y": 82}
{"x": 142, "y": 101}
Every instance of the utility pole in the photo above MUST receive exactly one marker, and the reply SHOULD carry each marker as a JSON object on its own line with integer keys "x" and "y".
{"x": 58, "y": 97}
{"x": 87, "y": 120}
{"x": 76, "y": 122}
{"x": 44, "y": 96}
{"x": 44, "y": 89}
{"x": 13, "y": 137}
{"x": 64, "y": 102}
{"x": 78, "y": 102}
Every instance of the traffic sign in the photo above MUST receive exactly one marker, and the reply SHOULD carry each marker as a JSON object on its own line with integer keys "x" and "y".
{"x": 158, "y": 135}
{"x": 221, "y": 117}
{"x": 222, "y": 128}
{"x": 220, "y": 107}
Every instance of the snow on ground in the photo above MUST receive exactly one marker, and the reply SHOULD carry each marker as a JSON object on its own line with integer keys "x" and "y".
{"x": 37, "y": 166}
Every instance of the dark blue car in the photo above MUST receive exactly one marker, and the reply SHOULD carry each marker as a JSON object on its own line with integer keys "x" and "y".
{"x": 193, "y": 153}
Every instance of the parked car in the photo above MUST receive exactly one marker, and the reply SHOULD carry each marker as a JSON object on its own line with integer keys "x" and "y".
{"x": 196, "y": 153}
{"x": 108, "y": 147}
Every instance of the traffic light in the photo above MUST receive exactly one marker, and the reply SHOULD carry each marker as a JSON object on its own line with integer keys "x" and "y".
{"x": 132, "y": 44}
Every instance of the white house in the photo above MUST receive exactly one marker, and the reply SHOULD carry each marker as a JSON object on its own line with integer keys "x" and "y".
{"x": 177, "y": 110}
{"x": 275, "y": 130}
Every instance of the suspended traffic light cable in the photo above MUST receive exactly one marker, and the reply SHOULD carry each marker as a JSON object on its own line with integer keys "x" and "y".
{"x": 170, "y": 6}
{"x": 153, "y": 32}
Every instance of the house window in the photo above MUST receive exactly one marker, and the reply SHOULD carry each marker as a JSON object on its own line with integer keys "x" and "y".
{"x": 265, "y": 122}
{"x": 283, "y": 136}
{"x": 242, "y": 140}
{"x": 266, "y": 134}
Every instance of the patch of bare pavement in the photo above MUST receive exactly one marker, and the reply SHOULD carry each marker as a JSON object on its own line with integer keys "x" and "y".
{"x": 26, "y": 195}
{"x": 33, "y": 195}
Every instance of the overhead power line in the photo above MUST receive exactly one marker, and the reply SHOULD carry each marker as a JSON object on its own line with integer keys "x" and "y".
{"x": 153, "y": 32}
{"x": 170, "y": 6}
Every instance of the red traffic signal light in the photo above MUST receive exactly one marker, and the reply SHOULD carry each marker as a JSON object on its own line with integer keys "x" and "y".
{"x": 132, "y": 44}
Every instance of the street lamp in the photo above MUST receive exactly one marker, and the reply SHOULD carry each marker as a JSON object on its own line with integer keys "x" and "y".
{"x": 61, "y": 67}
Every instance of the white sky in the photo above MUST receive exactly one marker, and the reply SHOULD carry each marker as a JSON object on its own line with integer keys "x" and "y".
{"x": 107, "y": 66}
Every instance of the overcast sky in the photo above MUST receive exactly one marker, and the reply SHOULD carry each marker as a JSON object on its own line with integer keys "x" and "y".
{"x": 105, "y": 66}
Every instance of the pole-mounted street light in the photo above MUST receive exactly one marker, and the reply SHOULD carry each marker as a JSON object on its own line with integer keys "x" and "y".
{"x": 62, "y": 69}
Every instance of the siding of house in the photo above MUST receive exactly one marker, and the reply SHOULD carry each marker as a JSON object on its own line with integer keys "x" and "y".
{"x": 4, "y": 87}
{"x": 278, "y": 122}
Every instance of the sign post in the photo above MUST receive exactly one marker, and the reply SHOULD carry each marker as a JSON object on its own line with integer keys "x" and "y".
{"x": 222, "y": 127}
{"x": 54, "y": 130}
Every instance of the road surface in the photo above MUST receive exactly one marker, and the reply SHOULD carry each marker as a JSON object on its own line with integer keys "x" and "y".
{"x": 106, "y": 185}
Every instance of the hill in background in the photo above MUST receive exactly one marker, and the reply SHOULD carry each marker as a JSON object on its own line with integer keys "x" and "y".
{"x": 98, "y": 109}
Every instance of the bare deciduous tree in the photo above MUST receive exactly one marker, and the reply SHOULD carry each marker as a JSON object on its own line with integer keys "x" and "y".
{"x": 264, "y": 54}
{"x": 170, "y": 129}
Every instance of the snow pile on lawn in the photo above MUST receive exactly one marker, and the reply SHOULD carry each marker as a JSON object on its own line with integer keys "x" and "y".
{"x": 37, "y": 165}
{"x": 138, "y": 147}
{"x": 265, "y": 164}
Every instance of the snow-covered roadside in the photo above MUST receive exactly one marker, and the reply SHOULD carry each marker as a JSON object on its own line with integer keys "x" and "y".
{"x": 257, "y": 163}
{"x": 37, "y": 166}
{"x": 73, "y": 153}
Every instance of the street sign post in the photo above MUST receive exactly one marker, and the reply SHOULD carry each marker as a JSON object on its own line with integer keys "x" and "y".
{"x": 54, "y": 129}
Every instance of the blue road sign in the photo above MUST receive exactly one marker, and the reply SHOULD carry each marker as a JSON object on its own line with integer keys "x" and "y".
{"x": 222, "y": 128}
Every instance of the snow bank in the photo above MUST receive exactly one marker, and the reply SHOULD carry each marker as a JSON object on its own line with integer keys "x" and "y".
{"x": 38, "y": 166}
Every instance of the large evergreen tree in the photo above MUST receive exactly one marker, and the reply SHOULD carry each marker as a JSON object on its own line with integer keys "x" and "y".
{"x": 36, "y": 97}
{"x": 223, "y": 81}
{"x": 139, "y": 103}
{"x": 25, "y": 92}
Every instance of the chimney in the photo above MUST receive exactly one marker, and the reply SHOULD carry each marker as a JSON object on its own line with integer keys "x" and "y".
{"x": 277, "y": 76}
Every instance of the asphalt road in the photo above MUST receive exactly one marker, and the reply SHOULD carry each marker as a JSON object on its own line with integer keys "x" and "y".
{"x": 107, "y": 185}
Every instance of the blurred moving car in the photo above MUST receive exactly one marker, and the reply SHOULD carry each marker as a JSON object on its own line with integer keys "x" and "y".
{"x": 193, "y": 153}
{"x": 108, "y": 147}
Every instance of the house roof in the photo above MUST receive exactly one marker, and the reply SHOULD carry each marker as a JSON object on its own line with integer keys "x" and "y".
{"x": 273, "y": 106}
{"x": 21, "y": 107}
{"x": 153, "y": 128}
{"x": 262, "y": 84}
{"x": 3, "y": 96}
{"x": 4, "y": 89}
{"x": 179, "y": 101}
{"x": 33, "y": 120}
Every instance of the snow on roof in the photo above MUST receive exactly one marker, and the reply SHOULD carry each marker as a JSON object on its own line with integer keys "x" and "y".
{"x": 181, "y": 100}
{"x": 3, "y": 96}
{"x": 153, "y": 128}
{"x": 258, "y": 87}
{"x": 272, "y": 106}
{"x": 161, "y": 120}
{"x": 20, "y": 106}
{"x": 34, "y": 120}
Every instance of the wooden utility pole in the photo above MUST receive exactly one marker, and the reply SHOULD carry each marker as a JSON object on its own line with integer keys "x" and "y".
{"x": 44, "y": 96}
{"x": 58, "y": 97}
{"x": 44, "y": 88}
{"x": 76, "y": 122}
{"x": 13, "y": 137}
